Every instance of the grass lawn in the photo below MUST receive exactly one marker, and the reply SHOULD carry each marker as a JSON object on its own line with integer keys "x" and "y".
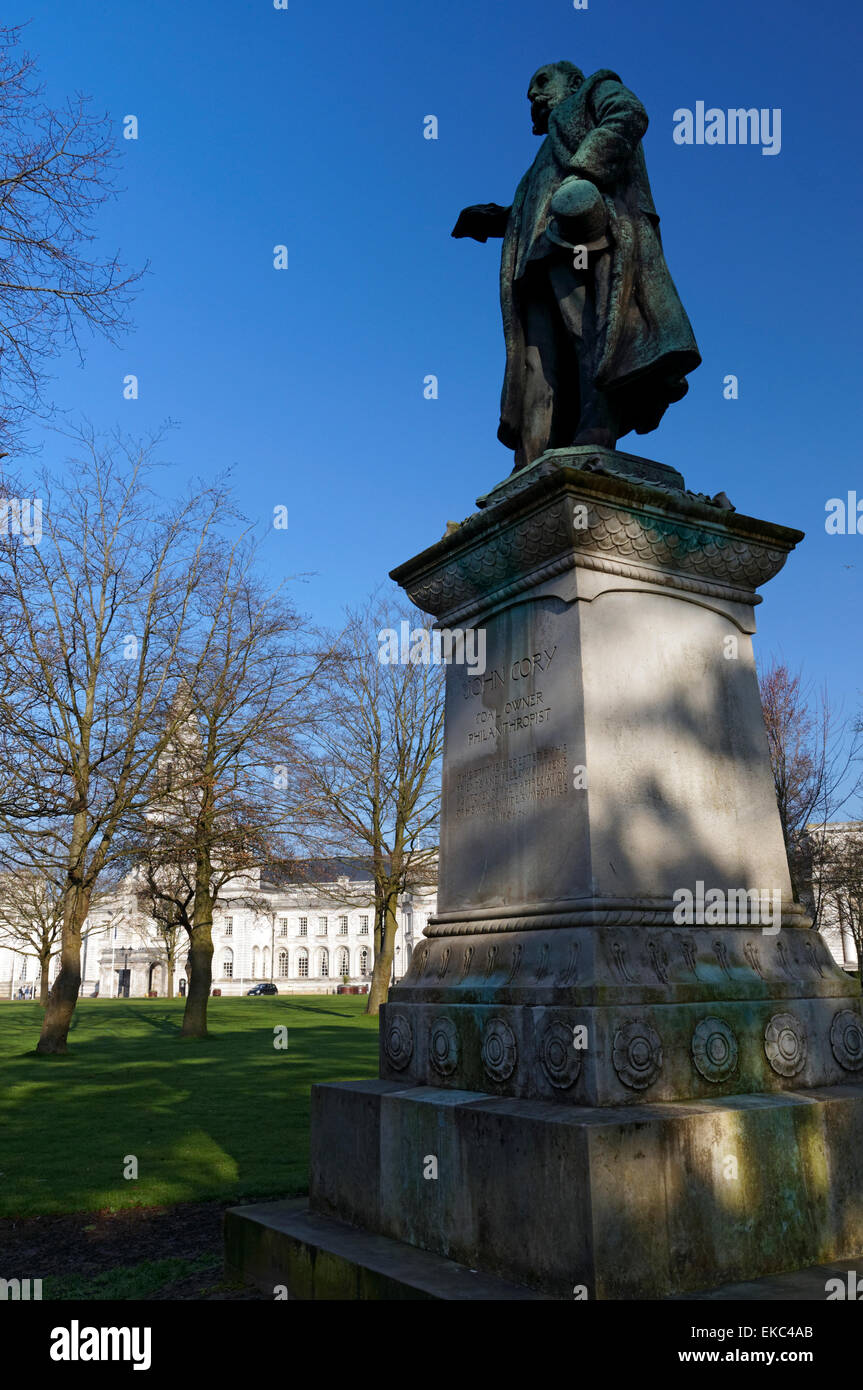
{"x": 225, "y": 1118}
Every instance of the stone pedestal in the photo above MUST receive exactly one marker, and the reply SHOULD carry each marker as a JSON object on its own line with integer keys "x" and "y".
{"x": 611, "y": 756}
{"x": 615, "y": 1098}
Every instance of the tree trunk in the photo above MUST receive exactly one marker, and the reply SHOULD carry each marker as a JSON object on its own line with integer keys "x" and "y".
{"x": 63, "y": 997}
{"x": 44, "y": 966}
{"x": 199, "y": 962}
{"x": 76, "y": 904}
{"x": 201, "y": 978}
{"x": 383, "y": 959}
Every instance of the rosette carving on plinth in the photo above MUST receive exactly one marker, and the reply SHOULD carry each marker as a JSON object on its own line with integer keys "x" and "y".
{"x": 714, "y": 1049}
{"x": 846, "y": 1039}
{"x": 637, "y": 1054}
{"x": 558, "y": 1055}
{"x": 443, "y": 1046}
{"x": 499, "y": 1050}
{"x": 785, "y": 1044}
{"x": 399, "y": 1040}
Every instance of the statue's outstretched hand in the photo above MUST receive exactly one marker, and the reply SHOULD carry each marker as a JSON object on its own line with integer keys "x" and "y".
{"x": 481, "y": 221}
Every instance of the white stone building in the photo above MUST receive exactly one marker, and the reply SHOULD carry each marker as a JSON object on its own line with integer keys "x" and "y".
{"x": 832, "y": 921}
{"x": 20, "y": 973}
{"x": 305, "y": 937}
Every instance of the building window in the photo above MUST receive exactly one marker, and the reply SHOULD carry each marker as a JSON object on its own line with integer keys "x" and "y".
{"x": 283, "y": 965}
{"x": 229, "y": 926}
{"x": 256, "y": 963}
{"x": 283, "y": 926}
{"x": 228, "y": 965}
{"x": 303, "y": 965}
{"x": 325, "y": 964}
{"x": 344, "y": 962}
{"x": 364, "y": 926}
{"x": 304, "y": 926}
{"x": 364, "y": 961}
{"x": 322, "y": 926}
{"x": 343, "y": 926}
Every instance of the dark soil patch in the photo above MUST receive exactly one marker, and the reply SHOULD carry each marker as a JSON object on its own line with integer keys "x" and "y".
{"x": 90, "y": 1244}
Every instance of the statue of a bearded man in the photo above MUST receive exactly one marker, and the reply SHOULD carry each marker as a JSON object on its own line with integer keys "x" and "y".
{"x": 597, "y": 340}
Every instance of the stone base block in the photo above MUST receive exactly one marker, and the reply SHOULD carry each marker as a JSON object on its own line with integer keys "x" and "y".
{"x": 610, "y": 1203}
{"x": 284, "y": 1244}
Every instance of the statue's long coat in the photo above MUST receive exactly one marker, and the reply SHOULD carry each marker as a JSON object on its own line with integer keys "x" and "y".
{"x": 645, "y": 336}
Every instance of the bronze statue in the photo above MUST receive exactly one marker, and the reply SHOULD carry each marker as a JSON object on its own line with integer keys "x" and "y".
{"x": 597, "y": 340}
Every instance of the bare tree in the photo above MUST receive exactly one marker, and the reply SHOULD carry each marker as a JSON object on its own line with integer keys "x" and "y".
{"x": 371, "y": 794}
{"x": 91, "y": 621}
{"x": 31, "y": 918}
{"x": 56, "y": 169}
{"x": 167, "y": 895}
{"x": 221, "y": 809}
{"x": 841, "y": 885}
{"x": 815, "y": 755}
{"x": 162, "y": 898}
{"x": 109, "y": 910}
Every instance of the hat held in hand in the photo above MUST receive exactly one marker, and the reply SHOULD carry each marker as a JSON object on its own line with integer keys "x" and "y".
{"x": 578, "y": 216}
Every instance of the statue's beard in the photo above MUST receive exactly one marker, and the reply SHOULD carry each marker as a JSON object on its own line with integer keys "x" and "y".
{"x": 540, "y": 111}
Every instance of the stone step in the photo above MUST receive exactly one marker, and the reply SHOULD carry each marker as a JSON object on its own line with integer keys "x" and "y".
{"x": 269, "y": 1244}
{"x": 800, "y": 1286}
{"x": 316, "y": 1257}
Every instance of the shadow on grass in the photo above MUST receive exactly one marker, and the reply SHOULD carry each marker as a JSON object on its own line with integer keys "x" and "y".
{"x": 227, "y": 1118}
{"x": 162, "y": 1025}
{"x": 330, "y": 1013}
{"x": 48, "y": 1056}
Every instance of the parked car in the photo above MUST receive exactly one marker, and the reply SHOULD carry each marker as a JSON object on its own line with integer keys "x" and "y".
{"x": 265, "y": 988}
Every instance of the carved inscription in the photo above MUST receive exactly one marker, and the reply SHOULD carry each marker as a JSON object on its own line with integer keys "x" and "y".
{"x": 508, "y": 787}
{"x": 525, "y": 709}
{"x": 524, "y": 668}
{"x": 492, "y": 723}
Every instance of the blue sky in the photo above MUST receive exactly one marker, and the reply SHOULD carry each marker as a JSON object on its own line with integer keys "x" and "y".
{"x": 305, "y": 127}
